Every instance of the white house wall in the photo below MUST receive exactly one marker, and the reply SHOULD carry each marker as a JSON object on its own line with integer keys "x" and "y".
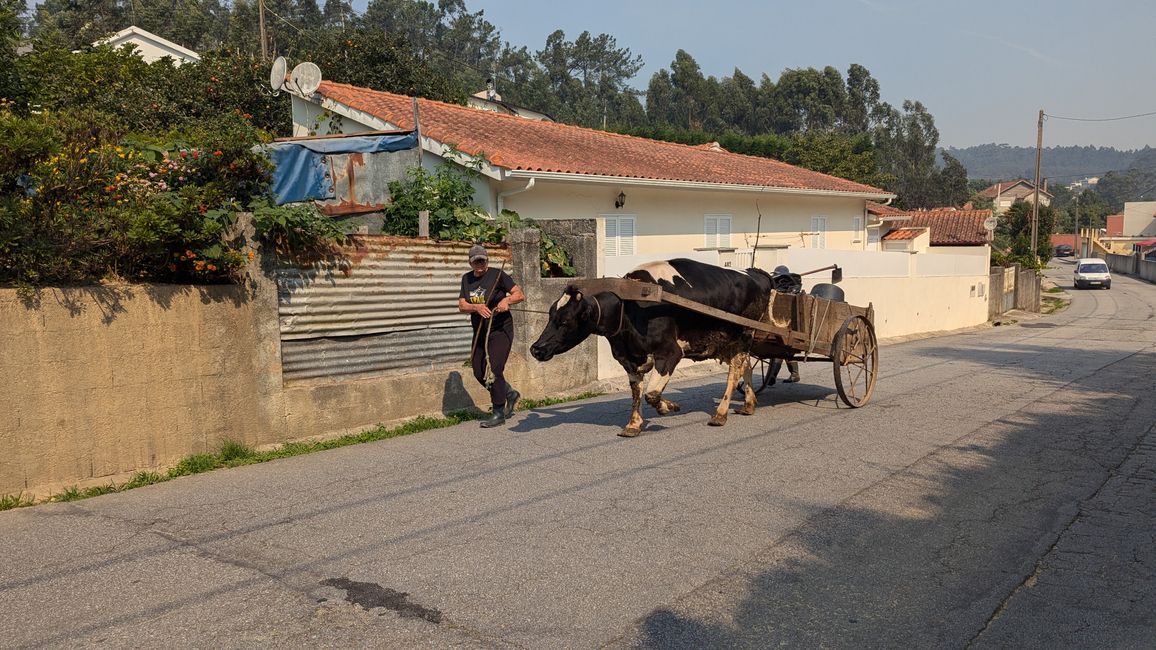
{"x": 1139, "y": 220}
{"x": 672, "y": 221}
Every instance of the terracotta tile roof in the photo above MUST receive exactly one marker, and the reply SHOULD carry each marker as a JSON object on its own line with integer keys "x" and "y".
{"x": 901, "y": 234}
{"x": 951, "y": 227}
{"x": 880, "y": 210}
{"x": 520, "y": 144}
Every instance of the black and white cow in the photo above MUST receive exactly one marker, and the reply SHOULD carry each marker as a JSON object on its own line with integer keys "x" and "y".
{"x": 660, "y": 335}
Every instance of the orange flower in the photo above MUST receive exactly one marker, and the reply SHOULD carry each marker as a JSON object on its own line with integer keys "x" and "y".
{"x": 212, "y": 267}
{"x": 218, "y": 153}
{"x": 190, "y": 254}
{"x": 172, "y": 267}
{"x": 200, "y": 265}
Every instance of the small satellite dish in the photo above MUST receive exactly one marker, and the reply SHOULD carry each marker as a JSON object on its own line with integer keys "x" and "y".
{"x": 989, "y": 223}
{"x": 277, "y": 74}
{"x": 306, "y": 77}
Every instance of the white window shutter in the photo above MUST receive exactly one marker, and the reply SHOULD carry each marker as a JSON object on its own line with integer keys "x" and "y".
{"x": 857, "y": 226}
{"x": 819, "y": 228}
{"x": 724, "y": 232}
{"x": 611, "y": 236}
{"x": 710, "y": 232}
{"x": 626, "y": 235}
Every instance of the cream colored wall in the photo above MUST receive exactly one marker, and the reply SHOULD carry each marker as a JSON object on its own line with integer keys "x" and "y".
{"x": 673, "y": 220}
{"x": 1139, "y": 220}
{"x": 99, "y": 382}
{"x": 104, "y": 381}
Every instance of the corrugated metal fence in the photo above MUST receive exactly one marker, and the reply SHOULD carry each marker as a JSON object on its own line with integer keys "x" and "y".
{"x": 389, "y": 307}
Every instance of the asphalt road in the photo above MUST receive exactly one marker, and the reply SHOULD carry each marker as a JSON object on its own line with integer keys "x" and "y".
{"x": 999, "y": 491}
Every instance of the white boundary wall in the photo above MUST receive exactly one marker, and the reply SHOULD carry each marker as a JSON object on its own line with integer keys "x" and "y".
{"x": 911, "y": 293}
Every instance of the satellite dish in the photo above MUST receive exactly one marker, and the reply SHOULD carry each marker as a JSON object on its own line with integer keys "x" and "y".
{"x": 277, "y": 74}
{"x": 989, "y": 223}
{"x": 306, "y": 77}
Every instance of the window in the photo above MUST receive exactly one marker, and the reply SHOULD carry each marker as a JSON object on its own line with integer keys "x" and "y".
{"x": 717, "y": 230}
{"x": 857, "y": 229}
{"x": 818, "y": 232}
{"x": 619, "y": 235}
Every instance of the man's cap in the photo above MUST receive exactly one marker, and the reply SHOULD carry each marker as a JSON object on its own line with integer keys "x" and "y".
{"x": 478, "y": 252}
{"x": 781, "y": 270}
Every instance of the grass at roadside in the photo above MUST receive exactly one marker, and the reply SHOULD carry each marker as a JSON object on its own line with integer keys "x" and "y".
{"x": 1051, "y": 305}
{"x": 236, "y": 454}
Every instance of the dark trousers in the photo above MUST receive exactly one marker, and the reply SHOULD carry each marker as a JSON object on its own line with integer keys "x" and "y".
{"x": 500, "y": 342}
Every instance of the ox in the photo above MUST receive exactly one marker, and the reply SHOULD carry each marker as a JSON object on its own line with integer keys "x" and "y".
{"x": 658, "y": 337}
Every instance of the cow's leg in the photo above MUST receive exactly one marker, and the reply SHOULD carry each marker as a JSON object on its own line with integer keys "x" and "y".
{"x": 634, "y": 427}
{"x": 664, "y": 366}
{"x": 737, "y": 363}
{"x": 749, "y": 399}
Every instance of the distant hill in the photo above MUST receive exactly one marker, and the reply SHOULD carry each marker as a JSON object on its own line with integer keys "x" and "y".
{"x": 1057, "y": 164}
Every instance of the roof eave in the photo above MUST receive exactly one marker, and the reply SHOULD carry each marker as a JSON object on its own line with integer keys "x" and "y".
{"x": 691, "y": 185}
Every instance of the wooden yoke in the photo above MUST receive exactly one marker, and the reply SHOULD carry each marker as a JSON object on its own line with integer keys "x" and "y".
{"x": 646, "y": 292}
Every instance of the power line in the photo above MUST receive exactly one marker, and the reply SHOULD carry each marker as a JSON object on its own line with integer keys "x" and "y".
{"x": 1098, "y": 119}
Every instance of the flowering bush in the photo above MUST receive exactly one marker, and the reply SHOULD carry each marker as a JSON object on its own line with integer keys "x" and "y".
{"x": 84, "y": 204}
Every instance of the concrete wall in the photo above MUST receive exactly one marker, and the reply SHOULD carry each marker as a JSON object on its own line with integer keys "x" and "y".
{"x": 1139, "y": 219}
{"x": 100, "y": 382}
{"x": 1132, "y": 265}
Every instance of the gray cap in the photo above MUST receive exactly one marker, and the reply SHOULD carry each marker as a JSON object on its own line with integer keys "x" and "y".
{"x": 478, "y": 252}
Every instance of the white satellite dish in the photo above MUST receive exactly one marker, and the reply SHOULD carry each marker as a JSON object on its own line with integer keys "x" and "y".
{"x": 306, "y": 77}
{"x": 989, "y": 223}
{"x": 277, "y": 74}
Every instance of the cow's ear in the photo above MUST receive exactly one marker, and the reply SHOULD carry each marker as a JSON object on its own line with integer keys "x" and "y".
{"x": 575, "y": 293}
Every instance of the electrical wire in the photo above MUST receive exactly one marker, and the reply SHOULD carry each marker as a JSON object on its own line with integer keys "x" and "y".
{"x": 1099, "y": 119}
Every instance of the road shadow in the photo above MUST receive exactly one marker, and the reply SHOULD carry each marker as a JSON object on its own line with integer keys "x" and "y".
{"x": 927, "y": 557}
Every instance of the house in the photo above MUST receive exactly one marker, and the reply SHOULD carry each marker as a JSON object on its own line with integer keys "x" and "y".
{"x": 958, "y": 231}
{"x": 149, "y": 46}
{"x": 644, "y": 199}
{"x": 1005, "y": 193}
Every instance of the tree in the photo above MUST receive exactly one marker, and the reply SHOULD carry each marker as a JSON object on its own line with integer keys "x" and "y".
{"x": 1014, "y": 233}
{"x": 862, "y": 104}
{"x": 907, "y": 148}
{"x": 588, "y": 78}
{"x": 951, "y": 181}
{"x": 11, "y": 31}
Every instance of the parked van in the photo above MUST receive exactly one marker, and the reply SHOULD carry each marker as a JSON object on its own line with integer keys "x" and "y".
{"x": 1092, "y": 272}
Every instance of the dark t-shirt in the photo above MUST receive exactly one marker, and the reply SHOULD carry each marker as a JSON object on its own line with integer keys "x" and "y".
{"x": 482, "y": 290}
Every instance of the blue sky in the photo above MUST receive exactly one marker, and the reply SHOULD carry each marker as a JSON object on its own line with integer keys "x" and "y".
{"x": 983, "y": 68}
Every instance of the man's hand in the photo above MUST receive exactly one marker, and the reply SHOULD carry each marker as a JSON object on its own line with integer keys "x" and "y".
{"x": 483, "y": 311}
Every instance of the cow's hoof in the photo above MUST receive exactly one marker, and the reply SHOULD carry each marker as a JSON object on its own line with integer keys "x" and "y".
{"x": 630, "y": 432}
{"x": 666, "y": 407}
{"x": 718, "y": 421}
{"x": 673, "y": 407}
{"x": 746, "y": 410}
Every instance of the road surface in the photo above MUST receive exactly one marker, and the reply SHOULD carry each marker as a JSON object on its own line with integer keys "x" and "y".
{"x": 999, "y": 491}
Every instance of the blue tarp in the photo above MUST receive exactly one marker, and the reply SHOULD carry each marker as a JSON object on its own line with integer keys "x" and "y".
{"x": 300, "y": 172}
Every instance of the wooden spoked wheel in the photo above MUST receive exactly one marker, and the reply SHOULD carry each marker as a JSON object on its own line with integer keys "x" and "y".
{"x": 855, "y": 357}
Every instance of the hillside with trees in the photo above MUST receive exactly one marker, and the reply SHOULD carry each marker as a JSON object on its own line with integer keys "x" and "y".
{"x": 1060, "y": 164}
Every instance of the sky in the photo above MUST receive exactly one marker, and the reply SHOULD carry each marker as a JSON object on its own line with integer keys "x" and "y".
{"x": 983, "y": 68}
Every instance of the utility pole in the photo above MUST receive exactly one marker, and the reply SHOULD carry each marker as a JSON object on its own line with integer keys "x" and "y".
{"x": 1077, "y": 242}
{"x": 1036, "y": 199}
{"x": 261, "y": 23}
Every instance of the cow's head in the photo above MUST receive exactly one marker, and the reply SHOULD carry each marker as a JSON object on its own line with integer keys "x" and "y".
{"x": 572, "y": 320}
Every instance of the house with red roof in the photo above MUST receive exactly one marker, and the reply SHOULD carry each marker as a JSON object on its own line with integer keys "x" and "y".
{"x": 1004, "y": 193}
{"x": 642, "y": 197}
{"x": 944, "y": 230}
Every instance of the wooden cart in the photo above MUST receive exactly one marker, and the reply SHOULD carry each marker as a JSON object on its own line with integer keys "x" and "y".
{"x": 797, "y": 327}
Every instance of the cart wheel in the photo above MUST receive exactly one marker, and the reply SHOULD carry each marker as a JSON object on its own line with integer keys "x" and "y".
{"x": 855, "y": 357}
{"x": 762, "y": 372}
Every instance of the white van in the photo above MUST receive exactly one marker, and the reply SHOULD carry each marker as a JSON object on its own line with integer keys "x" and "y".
{"x": 1092, "y": 272}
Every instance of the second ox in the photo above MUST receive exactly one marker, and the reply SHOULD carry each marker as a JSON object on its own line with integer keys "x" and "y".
{"x": 660, "y": 335}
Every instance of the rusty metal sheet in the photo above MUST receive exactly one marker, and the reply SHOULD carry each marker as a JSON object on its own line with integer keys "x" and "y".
{"x": 361, "y": 181}
{"x": 376, "y": 355}
{"x": 384, "y": 284}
